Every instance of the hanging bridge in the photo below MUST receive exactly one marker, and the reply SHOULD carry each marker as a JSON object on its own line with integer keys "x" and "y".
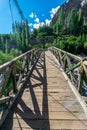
{"x": 43, "y": 91}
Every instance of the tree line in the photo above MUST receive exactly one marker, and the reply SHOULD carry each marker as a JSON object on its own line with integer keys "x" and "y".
{"x": 15, "y": 43}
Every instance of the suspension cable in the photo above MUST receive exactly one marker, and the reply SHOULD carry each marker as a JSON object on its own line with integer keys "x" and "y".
{"x": 11, "y": 12}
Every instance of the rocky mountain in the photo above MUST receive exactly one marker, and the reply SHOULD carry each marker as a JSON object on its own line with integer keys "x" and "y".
{"x": 72, "y": 4}
{"x": 84, "y": 9}
{"x": 69, "y": 13}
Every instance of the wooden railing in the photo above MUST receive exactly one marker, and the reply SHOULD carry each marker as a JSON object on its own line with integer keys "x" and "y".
{"x": 74, "y": 66}
{"x": 12, "y": 76}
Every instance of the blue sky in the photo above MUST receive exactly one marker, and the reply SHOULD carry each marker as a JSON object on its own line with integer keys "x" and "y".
{"x": 38, "y": 12}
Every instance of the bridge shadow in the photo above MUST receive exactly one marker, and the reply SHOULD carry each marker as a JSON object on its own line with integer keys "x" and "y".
{"x": 35, "y": 116}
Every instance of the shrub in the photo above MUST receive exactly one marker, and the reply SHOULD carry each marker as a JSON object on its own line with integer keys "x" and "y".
{"x": 47, "y": 45}
{"x": 71, "y": 44}
{"x": 5, "y": 57}
{"x": 15, "y": 52}
{"x": 85, "y": 46}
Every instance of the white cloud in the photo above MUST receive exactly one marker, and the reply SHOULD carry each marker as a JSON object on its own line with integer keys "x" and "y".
{"x": 51, "y": 15}
{"x": 47, "y": 22}
{"x": 35, "y": 15}
{"x": 67, "y": 1}
{"x": 31, "y": 29}
{"x": 37, "y": 25}
{"x": 32, "y": 15}
{"x": 53, "y": 11}
{"x": 37, "y": 20}
{"x": 30, "y": 24}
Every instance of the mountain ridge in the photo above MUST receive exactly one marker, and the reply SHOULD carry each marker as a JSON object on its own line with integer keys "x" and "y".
{"x": 68, "y": 6}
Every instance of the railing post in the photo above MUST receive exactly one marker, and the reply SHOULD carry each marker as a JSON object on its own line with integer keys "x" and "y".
{"x": 30, "y": 60}
{"x": 14, "y": 79}
{"x": 27, "y": 62}
{"x": 32, "y": 57}
{"x": 79, "y": 83}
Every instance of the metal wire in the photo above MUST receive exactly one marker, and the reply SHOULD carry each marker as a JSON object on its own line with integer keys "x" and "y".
{"x": 11, "y": 12}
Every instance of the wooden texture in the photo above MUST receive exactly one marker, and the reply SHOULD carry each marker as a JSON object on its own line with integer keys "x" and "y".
{"x": 46, "y": 102}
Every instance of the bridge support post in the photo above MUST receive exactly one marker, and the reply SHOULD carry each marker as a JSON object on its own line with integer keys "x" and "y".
{"x": 14, "y": 79}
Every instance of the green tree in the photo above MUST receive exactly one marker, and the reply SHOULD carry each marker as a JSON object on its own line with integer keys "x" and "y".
{"x": 27, "y": 34}
{"x": 84, "y": 30}
{"x": 34, "y": 33}
{"x": 3, "y": 43}
{"x": 60, "y": 22}
{"x": 22, "y": 35}
{"x": 45, "y": 31}
{"x": 6, "y": 46}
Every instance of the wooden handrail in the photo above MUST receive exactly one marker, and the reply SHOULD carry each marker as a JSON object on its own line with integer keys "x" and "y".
{"x": 17, "y": 58}
{"x": 12, "y": 75}
{"x": 72, "y": 55}
{"x": 74, "y": 66}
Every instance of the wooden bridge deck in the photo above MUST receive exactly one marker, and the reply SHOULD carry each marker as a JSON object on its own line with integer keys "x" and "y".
{"x": 46, "y": 102}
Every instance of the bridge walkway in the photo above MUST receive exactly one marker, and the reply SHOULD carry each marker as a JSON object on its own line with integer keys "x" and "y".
{"x": 46, "y": 102}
